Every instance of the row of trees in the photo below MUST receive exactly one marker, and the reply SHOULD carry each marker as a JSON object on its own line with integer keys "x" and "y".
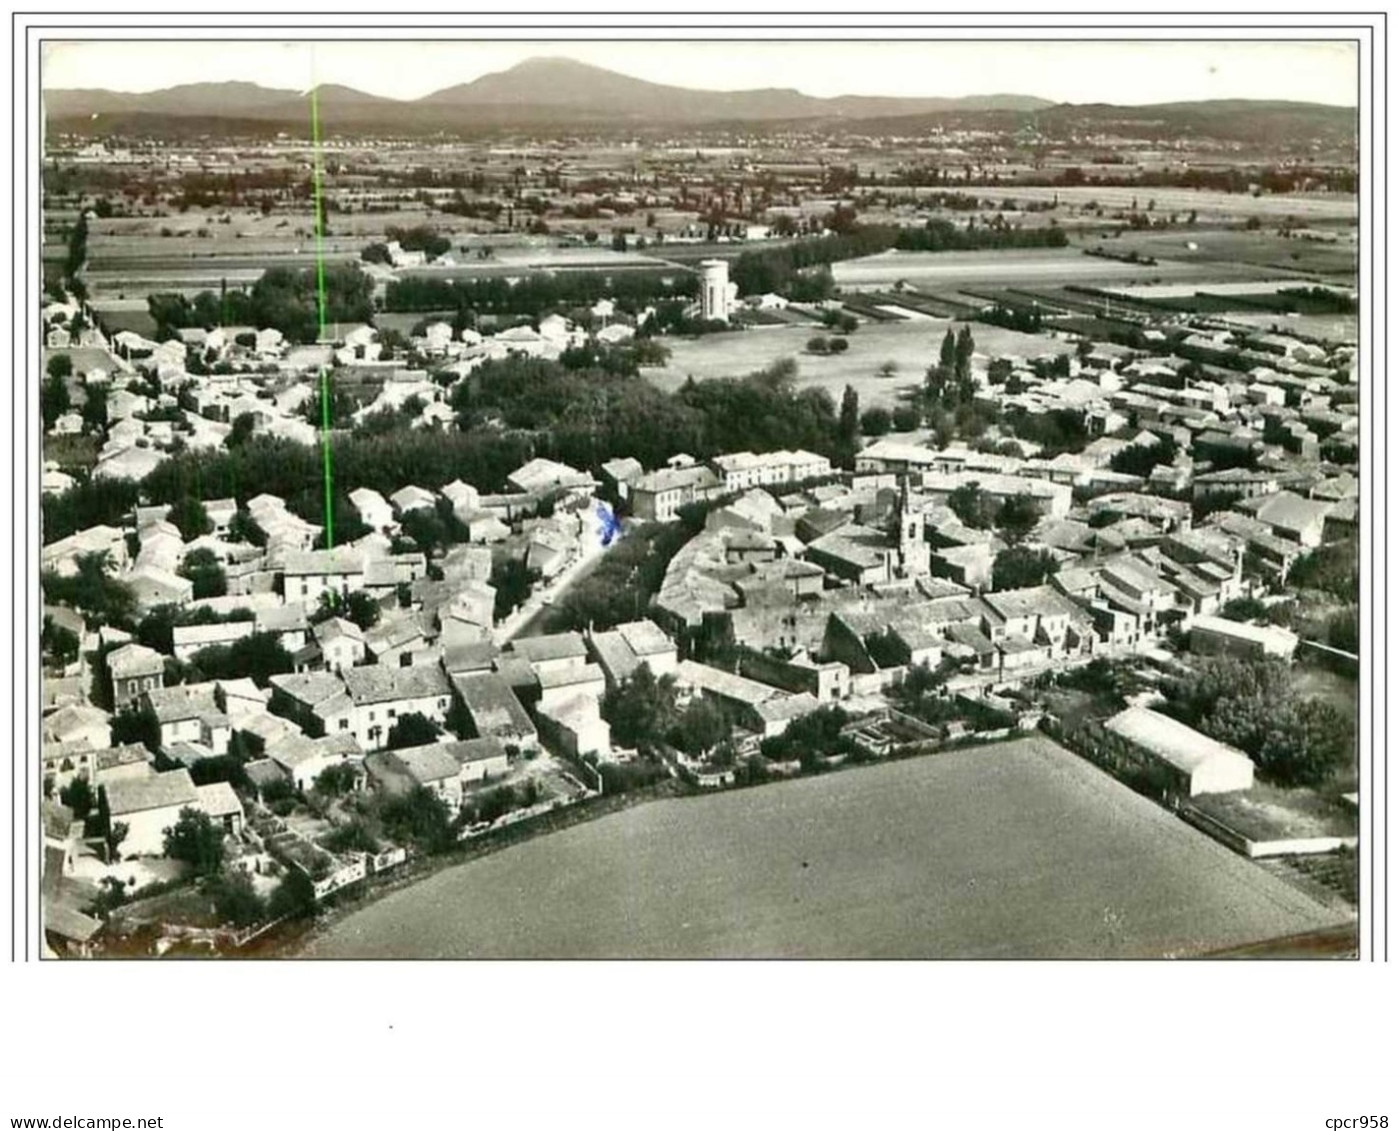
{"x": 944, "y": 235}
{"x": 284, "y": 299}
{"x": 537, "y": 295}
{"x": 1253, "y": 705}
{"x": 582, "y": 417}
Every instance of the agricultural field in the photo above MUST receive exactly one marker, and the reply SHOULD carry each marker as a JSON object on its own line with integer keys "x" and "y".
{"x": 912, "y": 345}
{"x": 1016, "y": 850}
{"x": 1336, "y": 256}
{"x": 1315, "y": 207}
{"x": 1341, "y": 328}
{"x": 951, "y": 270}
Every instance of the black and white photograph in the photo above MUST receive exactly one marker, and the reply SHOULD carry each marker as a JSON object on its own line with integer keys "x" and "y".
{"x": 846, "y": 489}
{"x": 562, "y": 514}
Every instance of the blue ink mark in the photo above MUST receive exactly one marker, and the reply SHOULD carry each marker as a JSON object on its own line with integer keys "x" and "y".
{"x": 609, "y": 525}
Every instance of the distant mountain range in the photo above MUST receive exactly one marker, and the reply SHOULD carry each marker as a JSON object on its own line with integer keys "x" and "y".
{"x": 562, "y": 92}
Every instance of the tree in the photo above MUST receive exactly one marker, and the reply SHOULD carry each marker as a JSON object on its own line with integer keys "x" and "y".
{"x": 335, "y": 780}
{"x": 640, "y": 709}
{"x": 294, "y": 897}
{"x": 972, "y": 506}
{"x": 358, "y": 607}
{"x": 999, "y": 371}
{"x": 113, "y": 836}
{"x": 412, "y": 729}
{"x": 419, "y": 818}
{"x": 190, "y": 517}
{"x": 58, "y": 643}
{"x": 133, "y": 724}
{"x": 196, "y": 840}
{"x": 1244, "y": 609}
{"x": 60, "y": 366}
{"x": 1304, "y": 743}
{"x": 513, "y": 582}
{"x": 104, "y": 599}
{"x": 203, "y": 569}
{"x": 243, "y": 425}
{"x": 258, "y": 657}
{"x": 78, "y": 796}
{"x": 962, "y": 355}
{"x": 701, "y": 727}
{"x": 947, "y": 355}
{"x": 53, "y": 399}
{"x": 1019, "y": 568}
{"x": 236, "y": 901}
{"x": 849, "y": 414}
{"x": 906, "y": 418}
{"x": 1016, "y": 519}
{"x": 95, "y": 409}
{"x": 1253, "y": 705}
{"x": 875, "y": 421}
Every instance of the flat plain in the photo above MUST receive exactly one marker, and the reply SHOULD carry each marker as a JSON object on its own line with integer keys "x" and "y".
{"x": 949, "y": 270}
{"x": 1015, "y": 850}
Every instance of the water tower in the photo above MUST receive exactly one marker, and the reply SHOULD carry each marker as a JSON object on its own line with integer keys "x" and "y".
{"x": 714, "y": 290}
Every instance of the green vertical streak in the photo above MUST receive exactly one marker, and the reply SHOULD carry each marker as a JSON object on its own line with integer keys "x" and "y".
{"x": 327, "y": 474}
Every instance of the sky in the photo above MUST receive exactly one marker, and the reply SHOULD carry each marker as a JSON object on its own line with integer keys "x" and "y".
{"x": 1127, "y": 73}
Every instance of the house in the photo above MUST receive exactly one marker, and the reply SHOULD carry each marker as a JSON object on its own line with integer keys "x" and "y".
{"x": 545, "y": 476}
{"x": 341, "y": 643}
{"x": 373, "y": 509}
{"x": 464, "y": 498}
{"x": 134, "y": 668}
{"x": 895, "y": 456}
{"x": 758, "y": 706}
{"x": 77, "y": 726}
{"x": 239, "y": 698}
{"x": 625, "y": 648}
{"x": 378, "y": 697}
{"x": 1193, "y": 763}
{"x": 739, "y": 471}
{"x": 494, "y": 709}
{"x": 410, "y": 498}
{"x": 303, "y": 759}
{"x": 552, "y": 653}
{"x": 218, "y": 801}
{"x": 432, "y": 766}
{"x": 1212, "y": 636}
{"x": 856, "y": 553}
{"x": 558, "y": 684}
{"x": 658, "y": 496}
{"x": 190, "y": 638}
{"x": 620, "y": 474}
{"x": 189, "y": 713}
{"x": 575, "y": 724}
{"x": 1039, "y": 618}
{"x": 480, "y": 758}
{"x": 154, "y": 586}
{"x": 1290, "y": 516}
{"x": 399, "y": 641}
{"x": 62, "y": 556}
{"x": 148, "y": 805}
{"x": 308, "y": 575}
{"x": 131, "y": 760}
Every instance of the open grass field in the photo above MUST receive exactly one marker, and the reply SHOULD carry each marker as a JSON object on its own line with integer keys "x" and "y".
{"x": 911, "y": 345}
{"x": 1017, "y": 850}
{"x": 952, "y": 270}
